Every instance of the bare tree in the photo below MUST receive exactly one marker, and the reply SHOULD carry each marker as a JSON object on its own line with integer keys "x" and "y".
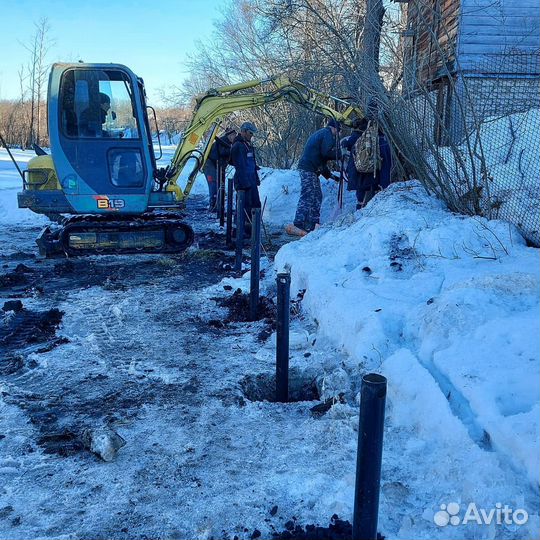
{"x": 359, "y": 50}
{"x": 36, "y": 75}
{"x": 309, "y": 40}
{"x": 369, "y": 51}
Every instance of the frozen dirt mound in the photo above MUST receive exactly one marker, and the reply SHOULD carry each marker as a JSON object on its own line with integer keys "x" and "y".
{"x": 238, "y": 306}
{"x": 21, "y": 330}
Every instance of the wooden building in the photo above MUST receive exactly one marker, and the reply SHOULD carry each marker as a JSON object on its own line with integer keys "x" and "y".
{"x": 481, "y": 55}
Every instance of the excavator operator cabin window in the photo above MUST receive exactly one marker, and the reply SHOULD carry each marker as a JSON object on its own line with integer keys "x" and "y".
{"x": 97, "y": 104}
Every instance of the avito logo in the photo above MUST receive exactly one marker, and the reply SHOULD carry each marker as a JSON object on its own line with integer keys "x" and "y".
{"x": 449, "y": 514}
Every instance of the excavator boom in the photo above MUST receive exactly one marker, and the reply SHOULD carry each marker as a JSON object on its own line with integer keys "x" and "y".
{"x": 215, "y": 105}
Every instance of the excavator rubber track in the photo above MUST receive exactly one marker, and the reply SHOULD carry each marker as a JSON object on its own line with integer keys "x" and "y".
{"x": 104, "y": 235}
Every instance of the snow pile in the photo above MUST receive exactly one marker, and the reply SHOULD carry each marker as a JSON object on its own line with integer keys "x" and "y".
{"x": 511, "y": 146}
{"x": 446, "y": 307}
{"x": 10, "y": 184}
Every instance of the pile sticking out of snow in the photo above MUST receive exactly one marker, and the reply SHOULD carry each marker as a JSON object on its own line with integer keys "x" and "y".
{"x": 446, "y": 306}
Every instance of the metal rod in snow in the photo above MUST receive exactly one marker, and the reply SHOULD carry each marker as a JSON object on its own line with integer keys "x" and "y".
{"x": 217, "y": 205}
{"x": 369, "y": 457}
{"x": 221, "y": 194}
{"x": 4, "y": 144}
{"x": 282, "y": 336}
{"x": 255, "y": 262}
{"x": 240, "y": 220}
{"x": 228, "y": 227}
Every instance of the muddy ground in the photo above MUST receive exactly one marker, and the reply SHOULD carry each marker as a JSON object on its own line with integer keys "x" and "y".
{"x": 144, "y": 347}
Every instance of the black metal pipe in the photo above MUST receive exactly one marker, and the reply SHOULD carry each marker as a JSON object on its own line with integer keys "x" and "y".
{"x": 218, "y": 188}
{"x": 11, "y": 156}
{"x": 255, "y": 262}
{"x": 282, "y": 336}
{"x": 369, "y": 457}
{"x": 240, "y": 220}
{"x": 221, "y": 194}
{"x": 228, "y": 227}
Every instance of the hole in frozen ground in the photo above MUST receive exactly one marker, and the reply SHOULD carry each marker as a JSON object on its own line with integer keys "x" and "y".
{"x": 64, "y": 443}
{"x": 337, "y": 529}
{"x": 262, "y": 387}
{"x": 22, "y": 330}
{"x": 238, "y": 306}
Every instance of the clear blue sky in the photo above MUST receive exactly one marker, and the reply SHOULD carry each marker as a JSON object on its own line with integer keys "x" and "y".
{"x": 153, "y": 38}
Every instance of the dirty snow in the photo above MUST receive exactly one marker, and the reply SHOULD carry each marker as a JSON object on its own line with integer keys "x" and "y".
{"x": 445, "y": 306}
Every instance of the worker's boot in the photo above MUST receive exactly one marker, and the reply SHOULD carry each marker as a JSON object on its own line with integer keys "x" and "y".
{"x": 293, "y": 230}
{"x": 368, "y": 196}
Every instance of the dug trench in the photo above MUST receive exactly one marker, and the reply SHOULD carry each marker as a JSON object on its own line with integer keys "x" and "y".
{"x": 107, "y": 343}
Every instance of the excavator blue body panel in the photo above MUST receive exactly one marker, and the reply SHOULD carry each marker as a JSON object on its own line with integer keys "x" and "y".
{"x": 100, "y": 139}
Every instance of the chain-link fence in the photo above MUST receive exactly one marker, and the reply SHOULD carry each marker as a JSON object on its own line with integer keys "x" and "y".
{"x": 474, "y": 139}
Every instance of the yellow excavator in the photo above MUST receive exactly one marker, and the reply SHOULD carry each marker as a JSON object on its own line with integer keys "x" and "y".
{"x": 101, "y": 176}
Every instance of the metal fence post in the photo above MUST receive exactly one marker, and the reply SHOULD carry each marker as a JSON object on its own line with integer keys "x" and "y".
{"x": 228, "y": 227}
{"x": 255, "y": 262}
{"x": 240, "y": 220}
{"x": 369, "y": 457}
{"x": 221, "y": 194}
{"x": 282, "y": 336}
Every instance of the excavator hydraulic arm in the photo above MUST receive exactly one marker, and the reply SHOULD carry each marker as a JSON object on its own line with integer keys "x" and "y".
{"x": 212, "y": 107}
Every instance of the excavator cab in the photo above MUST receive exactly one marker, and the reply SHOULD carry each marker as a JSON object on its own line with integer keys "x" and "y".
{"x": 100, "y": 141}
{"x": 101, "y": 169}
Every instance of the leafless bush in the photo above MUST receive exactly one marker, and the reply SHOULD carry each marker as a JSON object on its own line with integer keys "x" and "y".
{"x": 23, "y": 122}
{"x": 454, "y": 129}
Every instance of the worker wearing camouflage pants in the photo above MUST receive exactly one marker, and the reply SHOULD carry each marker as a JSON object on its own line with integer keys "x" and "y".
{"x": 320, "y": 148}
{"x": 308, "y": 211}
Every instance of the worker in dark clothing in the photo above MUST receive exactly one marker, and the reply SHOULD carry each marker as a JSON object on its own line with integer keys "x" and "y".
{"x": 218, "y": 157}
{"x": 367, "y": 184}
{"x": 347, "y": 144}
{"x": 320, "y": 148}
{"x": 94, "y": 117}
{"x": 246, "y": 176}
